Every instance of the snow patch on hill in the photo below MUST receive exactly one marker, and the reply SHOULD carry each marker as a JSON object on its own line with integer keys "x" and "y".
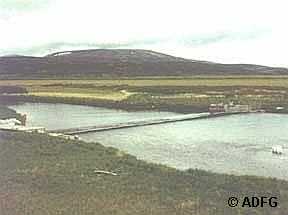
{"x": 62, "y": 53}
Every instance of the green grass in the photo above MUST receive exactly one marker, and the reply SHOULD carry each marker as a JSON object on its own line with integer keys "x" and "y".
{"x": 273, "y": 81}
{"x": 42, "y": 175}
{"x": 178, "y": 94}
{"x": 6, "y": 113}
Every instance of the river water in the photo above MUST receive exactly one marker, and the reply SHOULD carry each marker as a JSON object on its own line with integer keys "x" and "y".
{"x": 238, "y": 144}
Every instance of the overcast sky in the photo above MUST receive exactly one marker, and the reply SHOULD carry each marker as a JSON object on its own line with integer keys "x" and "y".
{"x": 227, "y": 31}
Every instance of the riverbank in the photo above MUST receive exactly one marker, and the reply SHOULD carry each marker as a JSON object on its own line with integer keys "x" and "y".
{"x": 48, "y": 175}
{"x": 123, "y": 105}
{"x": 181, "y": 94}
{"x": 7, "y": 113}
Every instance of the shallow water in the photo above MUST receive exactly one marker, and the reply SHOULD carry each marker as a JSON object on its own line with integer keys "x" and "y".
{"x": 239, "y": 144}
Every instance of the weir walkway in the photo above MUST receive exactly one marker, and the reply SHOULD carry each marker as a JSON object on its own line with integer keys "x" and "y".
{"x": 146, "y": 122}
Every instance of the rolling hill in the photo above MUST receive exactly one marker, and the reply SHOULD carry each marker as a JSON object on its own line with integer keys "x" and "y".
{"x": 121, "y": 62}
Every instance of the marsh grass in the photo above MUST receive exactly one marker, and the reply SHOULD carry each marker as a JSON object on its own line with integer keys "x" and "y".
{"x": 46, "y": 175}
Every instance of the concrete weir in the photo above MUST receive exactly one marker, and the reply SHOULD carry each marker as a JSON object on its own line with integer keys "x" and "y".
{"x": 130, "y": 124}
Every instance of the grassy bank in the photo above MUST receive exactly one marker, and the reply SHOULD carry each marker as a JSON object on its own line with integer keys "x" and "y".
{"x": 6, "y": 113}
{"x": 42, "y": 175}
{"x": 170, "y": 94}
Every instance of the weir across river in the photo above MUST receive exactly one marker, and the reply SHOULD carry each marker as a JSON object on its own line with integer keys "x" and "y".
{"x": 146, "y": 122}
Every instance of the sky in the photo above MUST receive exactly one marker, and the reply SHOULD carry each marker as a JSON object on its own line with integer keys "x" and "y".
{"x": 224, "y": 31}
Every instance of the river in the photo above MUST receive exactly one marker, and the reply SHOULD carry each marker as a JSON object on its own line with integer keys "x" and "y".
{"x": 238, "y": 144}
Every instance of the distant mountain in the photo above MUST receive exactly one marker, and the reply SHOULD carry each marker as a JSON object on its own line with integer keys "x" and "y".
{"x": 122, "y": 62}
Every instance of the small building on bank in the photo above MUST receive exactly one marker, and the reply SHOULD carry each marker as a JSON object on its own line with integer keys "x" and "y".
{"x": 9, "y": 122}
{"x": 229, "y": 108}
{"x": 14, "y": 124}
{"x": 216, "y": 108}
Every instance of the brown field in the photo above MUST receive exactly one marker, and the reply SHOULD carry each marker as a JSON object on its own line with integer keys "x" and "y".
{"x": 181, "y": 94}
{"x": 276, "y": 81}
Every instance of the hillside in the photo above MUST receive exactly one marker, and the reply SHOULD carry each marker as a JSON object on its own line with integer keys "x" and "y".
{"x": 45, "y": 175}
{"x": 121, "y": 62}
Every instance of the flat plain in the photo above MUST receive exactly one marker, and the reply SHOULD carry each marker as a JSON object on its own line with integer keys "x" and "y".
{"x": 179, "y": 94}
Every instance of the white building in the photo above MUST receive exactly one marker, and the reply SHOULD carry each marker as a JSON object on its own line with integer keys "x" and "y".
{"x": 231, "y": 108}
{"x": 9, "y": 122}
{"x": 15, "y": 125}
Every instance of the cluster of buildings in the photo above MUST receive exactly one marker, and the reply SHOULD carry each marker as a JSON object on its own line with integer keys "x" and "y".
{"x": 229, "y": 108}
{"x": 14, "y": 124}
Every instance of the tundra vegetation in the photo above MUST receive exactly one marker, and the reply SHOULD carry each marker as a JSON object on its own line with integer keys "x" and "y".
{"x": 48, "y": 175}
{"x": 43, "y": 175}
{"x": 178, "y": 94}
{"x": 7, "y": 113}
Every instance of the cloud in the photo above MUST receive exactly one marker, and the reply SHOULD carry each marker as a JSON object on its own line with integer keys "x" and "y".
{"x": 23, "y": 5}
{"x": 192, "y": 41}
{"x": 189, "y": 28}
{"x": 49, "y": 48}
{"x": 219, "y": 37}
